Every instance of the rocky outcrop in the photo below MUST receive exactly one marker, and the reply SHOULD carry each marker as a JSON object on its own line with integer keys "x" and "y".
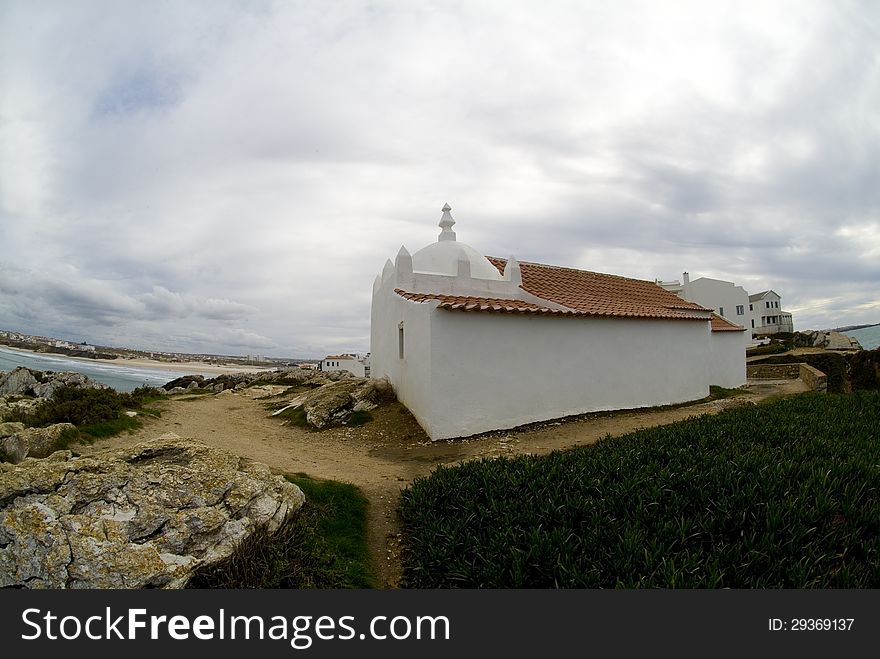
{"x": 22, "y": 390}
{"x": 26, "y": 382}
{"x": 332, "y": 404}
{"x": 33, "y": 442}
{"x": 144, "y": 516}
{"x": 831, "y": 340}
{"x": 288, "y": 377}
{"x": 55, "y": 381}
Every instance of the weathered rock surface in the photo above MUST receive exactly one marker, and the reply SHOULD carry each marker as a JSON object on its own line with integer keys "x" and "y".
{"x": 10, "y": 428}
{"x": 143, "y": 516}
{"x": 8, "y": 405}
{"x": 332, "y": 404}
{"x": 33, "y": 442}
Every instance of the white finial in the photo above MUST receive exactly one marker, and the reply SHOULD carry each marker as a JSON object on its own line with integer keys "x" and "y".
{"x": 446, "y": 223}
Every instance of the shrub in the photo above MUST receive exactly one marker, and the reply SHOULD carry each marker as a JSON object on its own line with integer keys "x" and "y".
{"x": 864, "y": 370}
{"x": 769, "y": 349}
{"x": 79, "y": 406}
{"x": 781, "y": 495}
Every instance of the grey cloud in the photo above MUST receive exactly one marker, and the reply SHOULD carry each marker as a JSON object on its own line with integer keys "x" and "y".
{"x": 239, "y": 176}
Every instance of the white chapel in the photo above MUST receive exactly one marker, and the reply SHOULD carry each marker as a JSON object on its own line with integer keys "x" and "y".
{"x": 473, "y": 343}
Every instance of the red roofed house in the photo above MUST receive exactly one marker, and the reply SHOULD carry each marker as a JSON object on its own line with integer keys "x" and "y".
{"x": 473, "y": 343}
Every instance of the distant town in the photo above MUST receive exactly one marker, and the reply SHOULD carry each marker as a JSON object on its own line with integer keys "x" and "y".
{"x": 84, "y": 349}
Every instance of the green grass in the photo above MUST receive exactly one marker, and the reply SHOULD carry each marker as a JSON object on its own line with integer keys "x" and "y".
{"x": 323, "y": 545}
{"x": 110, "y": 428}
{"x": 343, "y": 525}
{"x": 780, "y": 495}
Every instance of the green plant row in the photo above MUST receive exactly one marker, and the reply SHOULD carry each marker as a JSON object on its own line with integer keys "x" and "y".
{"x": 781, "y": 495}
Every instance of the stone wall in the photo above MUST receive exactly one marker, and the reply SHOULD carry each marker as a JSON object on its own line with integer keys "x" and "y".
{"x": 815, "y": 378}
{"x": 773, "y": 371}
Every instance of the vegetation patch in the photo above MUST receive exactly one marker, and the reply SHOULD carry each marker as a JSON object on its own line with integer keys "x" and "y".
{"x": 863, "y": 370}
{"x": 296, "y": 416}
{"x": 781, "y": 495}
{"x": 89, "y": 433}
{"x": 717, "y": 393}
{"x": 96, "y": 413}
{"x": 358, "y": 418}
{"x": 769, "y": 349}
{"x": 323, "y": 545}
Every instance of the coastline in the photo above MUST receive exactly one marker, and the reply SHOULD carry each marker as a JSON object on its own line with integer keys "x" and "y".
{"x": 183, "y": 368}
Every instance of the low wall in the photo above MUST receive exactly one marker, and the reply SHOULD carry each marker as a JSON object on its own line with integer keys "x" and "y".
{"x": 773, "y": 371}
{"x": 813, "y": 377}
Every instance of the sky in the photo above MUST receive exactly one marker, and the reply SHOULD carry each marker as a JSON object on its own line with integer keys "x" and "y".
{"x": 229, "y": 177}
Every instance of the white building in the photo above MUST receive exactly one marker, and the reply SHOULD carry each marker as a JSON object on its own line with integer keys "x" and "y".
{"x": 473, "y": 344}
{"x": 767, "y": 316}
{"x": 355, "y": 364}
{"x": 725, "y": 298}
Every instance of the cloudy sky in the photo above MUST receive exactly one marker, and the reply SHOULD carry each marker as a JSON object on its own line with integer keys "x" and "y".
{"x": 229, "y": 177}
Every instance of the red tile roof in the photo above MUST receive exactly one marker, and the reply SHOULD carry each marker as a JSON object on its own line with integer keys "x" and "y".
{"x": 471, "y": 303}
{"x": 720, "y": 324}
{"x": 599, "y": 294}
{"x": 582, "y": 293}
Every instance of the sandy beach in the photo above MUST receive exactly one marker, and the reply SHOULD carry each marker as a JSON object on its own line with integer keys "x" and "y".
{"x": 184, "y": 368}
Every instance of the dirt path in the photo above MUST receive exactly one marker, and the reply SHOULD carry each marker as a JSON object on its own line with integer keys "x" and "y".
{"x": 385, "y": 455}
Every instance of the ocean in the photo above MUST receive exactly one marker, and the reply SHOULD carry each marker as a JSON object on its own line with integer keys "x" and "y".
{"x": 120, "y": 377}
{"x": 869, "y": 337}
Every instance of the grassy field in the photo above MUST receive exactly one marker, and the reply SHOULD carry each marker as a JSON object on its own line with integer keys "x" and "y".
{"x": 785, "y": 494}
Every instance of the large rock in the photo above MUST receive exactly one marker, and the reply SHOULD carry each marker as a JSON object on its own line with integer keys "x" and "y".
{"x": 143, "y": 516}
{"x": 17, "y": 381}
{"x": 332, "y": 404}
{"x": 33, "y": 442}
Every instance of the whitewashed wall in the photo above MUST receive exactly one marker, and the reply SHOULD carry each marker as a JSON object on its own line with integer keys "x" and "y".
{"x": 727, "y": 362}
{"x": 492, "y": 371}
{"x": 410, "y": 375}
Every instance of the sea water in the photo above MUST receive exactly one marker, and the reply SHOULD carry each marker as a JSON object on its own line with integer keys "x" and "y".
{"x": 119, "y": 376}
{"x": 869, "y": 337}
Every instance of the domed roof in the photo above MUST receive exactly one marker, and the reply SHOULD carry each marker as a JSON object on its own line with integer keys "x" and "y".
{"x": 442, "y": 257}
